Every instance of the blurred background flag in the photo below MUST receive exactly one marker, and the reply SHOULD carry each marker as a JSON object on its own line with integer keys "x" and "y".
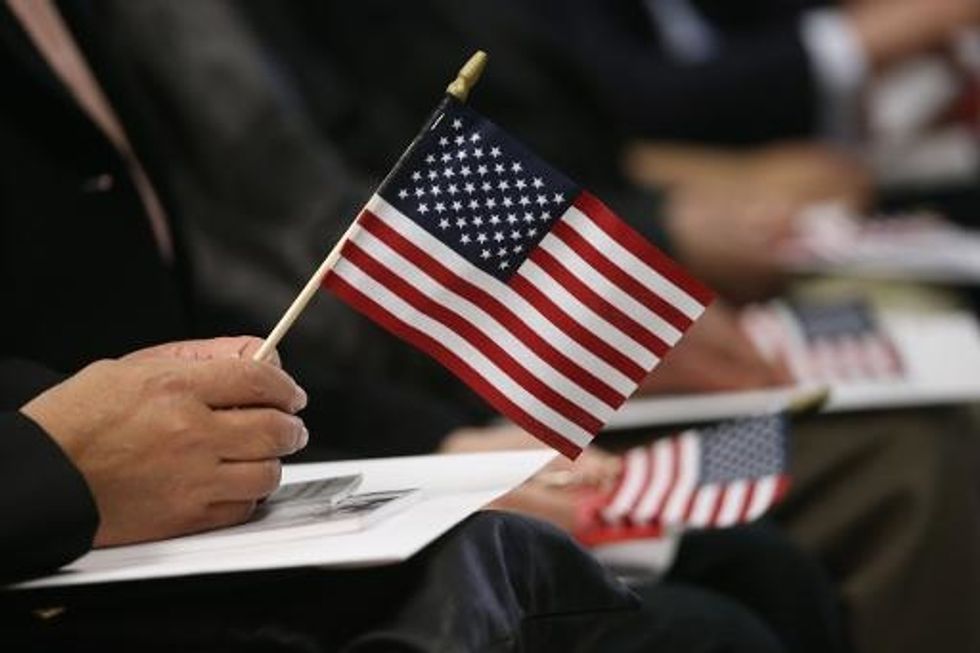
{"x": 715, "y": 477}
{"x": 524, "y": 285}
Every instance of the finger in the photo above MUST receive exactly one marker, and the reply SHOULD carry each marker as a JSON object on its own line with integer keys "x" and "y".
{"x": 228, "y": 513}
{"x": 247, "y": 481}
{"x": 258, "y": 434}
{"x": 228, "y": 347}
{"x": 237, "y": 383}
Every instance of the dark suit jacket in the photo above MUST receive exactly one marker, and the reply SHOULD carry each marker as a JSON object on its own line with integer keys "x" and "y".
{"x": 81, "y": 279}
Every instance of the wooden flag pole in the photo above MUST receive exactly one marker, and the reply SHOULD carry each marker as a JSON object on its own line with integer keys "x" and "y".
{"x": 460, "y": 88}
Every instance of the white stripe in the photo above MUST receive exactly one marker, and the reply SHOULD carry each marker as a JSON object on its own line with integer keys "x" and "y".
{"x": 635, "y": 467}
{"x": 662, "y": 455}
{"x": 704, "y": 506}
{"x": 465, "y": 351}
{"x": 502, "y": 293}
{"x": 762, "y": 497}
{"x": 585, "y": 316}
{"x": 686, "y": 481}
{"x": 483, "y": 321}
{"x": 632, "y": 265}
{"x": 609, "y": 291}
{"x": 731, "y": 508}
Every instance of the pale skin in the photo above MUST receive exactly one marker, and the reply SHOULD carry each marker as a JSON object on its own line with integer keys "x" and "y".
{"x": 175, "y": 439}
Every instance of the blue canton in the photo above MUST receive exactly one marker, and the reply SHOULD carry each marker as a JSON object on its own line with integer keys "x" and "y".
{"x": 747, "y": 448}
{"x": 479, "y": 191}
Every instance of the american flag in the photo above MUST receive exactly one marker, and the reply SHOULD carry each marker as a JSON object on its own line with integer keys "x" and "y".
{"x": 709, "y": 478}
{"x": 823, "y": 342}
{"x": 525, "y": 286}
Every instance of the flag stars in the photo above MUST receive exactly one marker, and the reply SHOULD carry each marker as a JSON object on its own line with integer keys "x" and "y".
{"x": 525, "y": 200}
{"x": 430, "y": 159}
{"x": 457, "y": 206}
{"x": 474, "y": 204}
{"x": 478, "y": 152}
{"x": 477, "y": 221}
{"x": 495, "y": 152}
{"x": 433, "y": 175}
{"x": 452, "y": 189}
{"x": 469, "y": 188}
{"x": 423, "y": 209}
{"x": 499, "y": 168}
{"x": 503, "y": 185}
{"x": 520, "y": 184}
{"x": 518, "y": 249}
{"x": 498, "y": 236}
{"x": 558, "y": 198}
{"x": 465, "y": 239}
{"x": 475, "y": 137}
{"x": 448, "y": 173}
{"x": 435, "y": 190}
{"x": 486, "y": 187}
{"x": 516, "y": 167}
{"x": 465, "y": 171}
{"x": 504, "y": 265}
{"x": 495, "y": 219}
{"x": 461, "y": 222}
{"x": 537, "y": 183}
{"x": 443, "y": 141}
{"x": 515, "y": 235}
{"x": 502, "y": 252}
{"x": 508, "y": 202}
{"x": 491, "y": 203}
{"x": 402, "y": 194}
{"x": 457, "y": 124}
{"x": 482, "y": 170}
{"x": 416, "y": 176}
{"x": 419, "y": 192}
{"x": 444, "y": 224}
{"x": 541, "y": 200}
{"x": 529, "y": 218}
{"x": 511, "y": 218}
{"x": 447, "y": 157}
{"x": 485, "y": 254}
{"x": 460, "y": 140}
{"x": 481, "y": 237}
{"x": 531, "y": 233}
{"x": 545, "y": 216}
{"x": 440, "y": 207}
{"x": 461, "y": 155}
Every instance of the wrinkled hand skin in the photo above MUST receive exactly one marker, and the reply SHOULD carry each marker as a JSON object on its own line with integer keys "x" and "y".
{"x": 175, "y": 439}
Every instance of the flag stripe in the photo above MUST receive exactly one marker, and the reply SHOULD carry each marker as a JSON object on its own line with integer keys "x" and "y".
{"x": 635, "y": 475}
{"x": 411, "y": 289}
{"x": 476, "y": 369}
{"x": 647, "y": 320}
{"x": 597, "y": 259}
{"x": 618, "y": 371}
{"x": 666, "y": 457}
{"x": 734, "y": 503}
{"x": 664, "y": 277}
{"x": 763, "y": 497}
{"x": 543, "y": 301}
{"x": 703, "y": 508}
{"x": 496, "y": 311}
{"x": 582, "y": 307}
{"x": 685, "y": 481}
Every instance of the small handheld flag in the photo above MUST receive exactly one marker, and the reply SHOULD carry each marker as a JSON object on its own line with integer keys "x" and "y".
{"x": 512, "y": 276}
{"x": 715, "y": 477}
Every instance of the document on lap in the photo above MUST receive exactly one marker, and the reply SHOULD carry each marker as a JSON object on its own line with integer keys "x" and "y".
{"x": 318, "y": 519}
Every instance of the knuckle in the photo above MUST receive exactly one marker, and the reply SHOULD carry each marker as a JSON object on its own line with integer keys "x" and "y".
{"x": 166, "y": 382}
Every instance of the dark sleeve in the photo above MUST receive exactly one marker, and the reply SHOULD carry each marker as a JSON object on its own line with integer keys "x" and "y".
{"x": 759, "y": 86}
{"x": 47, "y": 511}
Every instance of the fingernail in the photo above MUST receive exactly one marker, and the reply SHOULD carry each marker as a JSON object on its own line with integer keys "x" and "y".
{"x": 301, "y": 398}
{"x": 304, "y": 438}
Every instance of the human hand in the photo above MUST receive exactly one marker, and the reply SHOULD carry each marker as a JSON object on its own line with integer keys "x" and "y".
{"x": 243, "y": 347}
{"x": 173, "y": 446}
{"x": 714, "y": 356}
{"x": 894, "y": 30}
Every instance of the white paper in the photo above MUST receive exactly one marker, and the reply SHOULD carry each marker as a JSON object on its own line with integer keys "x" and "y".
{"x": 451, "y": 488}
{"x": 941, "y": 354}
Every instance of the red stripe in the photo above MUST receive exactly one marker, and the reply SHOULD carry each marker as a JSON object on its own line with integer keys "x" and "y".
{"x": 588, "y": 339}
{"x": 619, "y": 277}
{"x": 675, "y": 472}
{"x": 626, "y": 236}
{"x": 427, "y": 306}
{"x": 782, "y": 488}
{"x": 719, "y": 502}
{"x": 689, "y": 508}
{"x": 506, "y": 317}
{"x": 454, "y": 363}
{"x": 597, "y": 303}
{"x": 743, "y": 514}
{"x": 612, "y": 534}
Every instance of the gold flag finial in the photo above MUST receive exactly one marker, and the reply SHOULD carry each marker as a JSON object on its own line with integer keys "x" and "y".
{"x": 468, "y": 76}
{"x": 809, "y": 403}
